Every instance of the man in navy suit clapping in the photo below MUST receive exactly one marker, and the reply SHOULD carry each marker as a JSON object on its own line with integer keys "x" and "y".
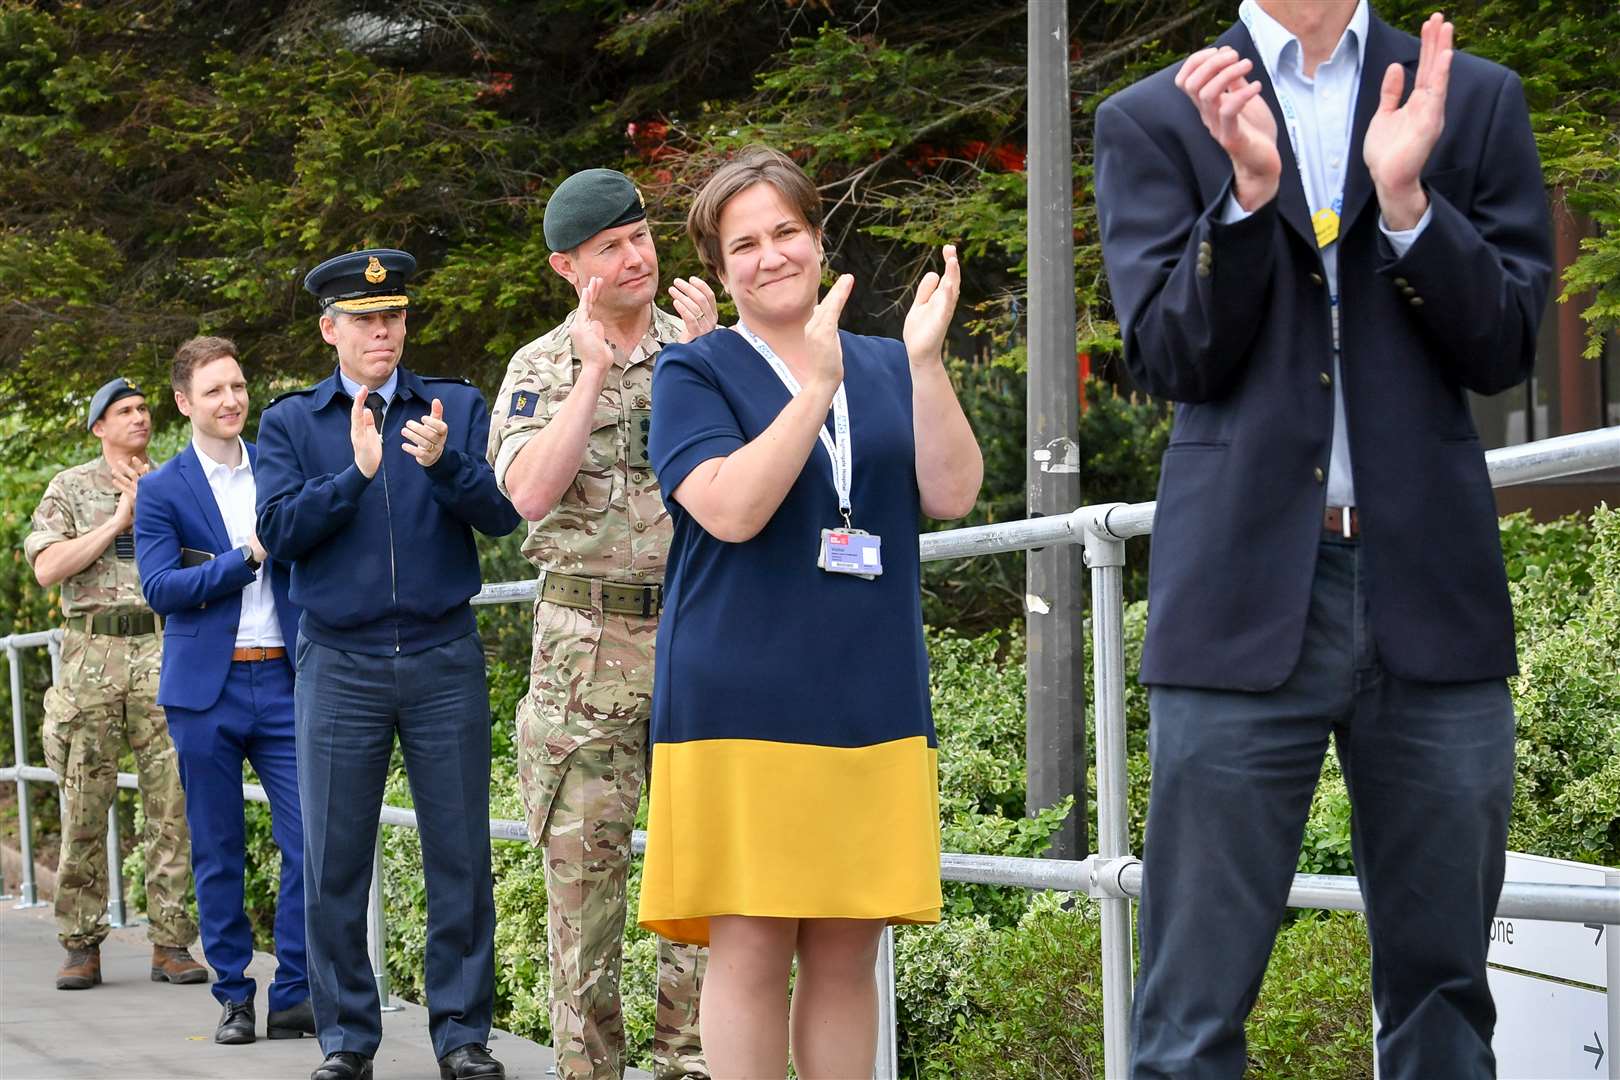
{"x": 227, "y": 680}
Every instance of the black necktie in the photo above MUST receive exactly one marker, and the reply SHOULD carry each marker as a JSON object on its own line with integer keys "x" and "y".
{"x": 374, "y": 402}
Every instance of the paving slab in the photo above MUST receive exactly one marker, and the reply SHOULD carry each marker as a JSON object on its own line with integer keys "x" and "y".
{"x": 132, "y": 1028}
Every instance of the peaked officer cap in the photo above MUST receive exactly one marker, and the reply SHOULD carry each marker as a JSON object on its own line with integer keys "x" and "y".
{"x": 363, "y": 281}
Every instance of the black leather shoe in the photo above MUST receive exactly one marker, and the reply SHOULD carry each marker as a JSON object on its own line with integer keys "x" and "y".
{"x": 290, "y": 1023}
{"x": 235, "y": 1023}
{"x": 470, "y": 1062}
{"x": 343, "y": 1065}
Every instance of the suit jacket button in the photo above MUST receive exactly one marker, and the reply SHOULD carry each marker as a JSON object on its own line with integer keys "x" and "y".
{"x": 1416, "y": 301}
{"x": 1327, "y": 380}
{"x": 1317, "y": 279}
{"x": 1319, "y": 474}
{"x": 1205, "y": 249}
{"x": 1407, "y": 290}
{"x": 1400, "y": 283}
{"x": 1203, "y": 269}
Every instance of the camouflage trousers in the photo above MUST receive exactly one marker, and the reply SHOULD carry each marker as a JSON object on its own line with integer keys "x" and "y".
{"x": 582, "y": 756}
{"x": 105, "y": 699}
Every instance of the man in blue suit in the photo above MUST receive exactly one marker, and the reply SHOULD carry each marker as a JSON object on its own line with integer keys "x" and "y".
{"x": 226, "y": 680}
{"x": 1320, "y": 233}
{"x": 371, "y": 484}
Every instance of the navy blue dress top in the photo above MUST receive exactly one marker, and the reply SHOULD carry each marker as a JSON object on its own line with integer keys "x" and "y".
{"x": 794, "y": 761}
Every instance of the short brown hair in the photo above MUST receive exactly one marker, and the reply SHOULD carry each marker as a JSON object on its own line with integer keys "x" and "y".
{"x": 754, "y": 165}
{"x": 193, "y": 354}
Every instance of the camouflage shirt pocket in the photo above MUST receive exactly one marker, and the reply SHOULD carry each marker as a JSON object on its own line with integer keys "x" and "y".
{"x": 599, "y": 471}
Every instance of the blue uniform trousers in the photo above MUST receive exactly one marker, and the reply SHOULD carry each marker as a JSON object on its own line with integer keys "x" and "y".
{"x": 252, "y": 720}
{"x": 1429, "y": 768}
{"x": 349, "y": 707}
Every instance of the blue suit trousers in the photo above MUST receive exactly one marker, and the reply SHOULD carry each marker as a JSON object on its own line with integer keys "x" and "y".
{"x": 1429, "y": 770}
{"x": 252, "y": 720}
{"x": 349, "y": 708}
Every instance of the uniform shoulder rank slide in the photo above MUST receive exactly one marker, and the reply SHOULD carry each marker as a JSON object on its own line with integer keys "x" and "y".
{"x": 523, "y": 402}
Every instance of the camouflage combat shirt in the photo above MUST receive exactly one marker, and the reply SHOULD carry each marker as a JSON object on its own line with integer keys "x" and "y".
{"x": 610, "y": 522}
{"x": 75, "y": 502}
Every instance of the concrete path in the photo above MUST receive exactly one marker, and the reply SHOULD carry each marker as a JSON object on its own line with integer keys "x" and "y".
{"x": 132, "y": 1028}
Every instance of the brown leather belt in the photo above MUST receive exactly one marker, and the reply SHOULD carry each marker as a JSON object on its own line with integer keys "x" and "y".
{"x": 573, "y": 591}
{"x": 1341, "y": 521}
{"x": 254, "y": 655}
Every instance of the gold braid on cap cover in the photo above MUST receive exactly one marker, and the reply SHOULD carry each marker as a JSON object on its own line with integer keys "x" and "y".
{"x": 370, "y": 303}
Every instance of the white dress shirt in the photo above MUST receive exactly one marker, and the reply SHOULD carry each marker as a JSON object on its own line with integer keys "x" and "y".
{"x": 235, "y": 494}
{"x": 1321, "y": 111}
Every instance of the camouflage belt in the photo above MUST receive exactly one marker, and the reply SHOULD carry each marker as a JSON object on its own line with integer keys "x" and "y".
{"x": 116, "y": 623}
{"x": 575, "y": 592}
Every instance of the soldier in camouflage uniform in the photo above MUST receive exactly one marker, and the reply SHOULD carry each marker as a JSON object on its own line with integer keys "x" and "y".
{"x": 105, "y": 697}
{"x": 568, "y": 441}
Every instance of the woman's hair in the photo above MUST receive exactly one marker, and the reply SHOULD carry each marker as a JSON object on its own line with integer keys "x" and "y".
{"x": 754, "y": 165}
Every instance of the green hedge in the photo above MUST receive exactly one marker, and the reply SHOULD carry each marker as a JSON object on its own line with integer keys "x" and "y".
{"x": 1006, "y": 986}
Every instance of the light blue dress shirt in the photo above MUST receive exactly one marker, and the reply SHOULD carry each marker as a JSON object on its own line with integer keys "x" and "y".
{"x": 386, "y": 389}
{"x": 1321, "y": 110}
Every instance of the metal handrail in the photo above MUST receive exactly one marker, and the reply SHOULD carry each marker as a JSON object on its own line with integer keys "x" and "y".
{"x": 1111, "y": 876}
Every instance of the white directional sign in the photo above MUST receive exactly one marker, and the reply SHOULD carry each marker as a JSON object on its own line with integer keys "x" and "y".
{"x": 1562, "y": 950}
{"x": 1548, "y": 1030}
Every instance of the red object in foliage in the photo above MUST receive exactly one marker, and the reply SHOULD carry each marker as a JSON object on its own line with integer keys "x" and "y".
{"x": 1082, "y": 362}
{"x": 498, "y": 85}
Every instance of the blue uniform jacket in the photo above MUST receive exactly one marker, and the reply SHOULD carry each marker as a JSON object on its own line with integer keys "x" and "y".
{"x": 383, "y": 565}
{"x": 200, "y": 604}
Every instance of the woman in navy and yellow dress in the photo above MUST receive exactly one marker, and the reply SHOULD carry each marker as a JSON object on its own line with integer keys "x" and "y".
{"x": 794, "y": 793}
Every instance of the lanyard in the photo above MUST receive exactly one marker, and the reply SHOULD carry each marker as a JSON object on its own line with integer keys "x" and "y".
{"x": 837, "y": 445}
{"x": 1325, "y": 221}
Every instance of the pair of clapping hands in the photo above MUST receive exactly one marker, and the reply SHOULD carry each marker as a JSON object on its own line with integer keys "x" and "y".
{"x": 424, "y": 438}
{"x": 1395, "y": 149}
{"x": 924, "y": 333}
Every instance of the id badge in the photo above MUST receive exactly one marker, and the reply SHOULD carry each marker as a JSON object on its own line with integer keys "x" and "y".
{"x": 851, "y": 551}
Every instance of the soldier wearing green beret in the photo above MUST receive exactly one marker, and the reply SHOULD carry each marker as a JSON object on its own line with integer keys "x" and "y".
{"x": 106, "y": 697}
{"x": 568, "y": 441}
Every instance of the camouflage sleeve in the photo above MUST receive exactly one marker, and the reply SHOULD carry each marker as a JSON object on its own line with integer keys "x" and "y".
{"x": 534, "y": 389}
{"x": 53, "y": 521}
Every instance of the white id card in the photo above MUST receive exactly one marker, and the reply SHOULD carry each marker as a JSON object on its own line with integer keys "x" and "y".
{"x": 851, "y": 551}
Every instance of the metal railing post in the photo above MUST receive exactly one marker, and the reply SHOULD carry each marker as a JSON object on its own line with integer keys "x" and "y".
{"x": 377, "y": 929}
{"x": 28, "y": 890}
{"x": 1612, "y": 958}
{"x": 886, "y": 1066}
{"x": 115, "y": 868}
{"x": 1105, "y": 555}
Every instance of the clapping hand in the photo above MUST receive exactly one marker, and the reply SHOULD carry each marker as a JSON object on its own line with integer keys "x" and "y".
{"x": 821, "y": 334}
{"x": 587, "y": 333}
{"x": 425, "y": 438}
{"x": 126, "y": 477}
{"x": 931, "y": 310}
{"x": 1238, "y": 118}
{"x": 695, "y": 304}
{"x": 364, "y": 436}
{"x": 1401, "y": 137}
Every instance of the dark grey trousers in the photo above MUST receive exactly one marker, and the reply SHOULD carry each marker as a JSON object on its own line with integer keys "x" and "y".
{"x": 1429, "y": 769}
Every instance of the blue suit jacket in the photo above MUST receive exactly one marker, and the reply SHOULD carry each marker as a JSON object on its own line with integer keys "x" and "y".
{"x": 1232, "y": 322}
{"x": 200, "y": 604}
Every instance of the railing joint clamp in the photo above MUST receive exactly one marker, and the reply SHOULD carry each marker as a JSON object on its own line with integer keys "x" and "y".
{"x": 1108, "y": 876}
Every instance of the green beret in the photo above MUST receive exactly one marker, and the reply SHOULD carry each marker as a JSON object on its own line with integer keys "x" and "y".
{"x": 588, "y": 202}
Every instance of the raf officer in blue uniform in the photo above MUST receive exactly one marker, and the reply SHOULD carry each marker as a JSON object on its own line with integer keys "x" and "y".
{"x": 226, "y": 681}
{"x": 371, "y": 483}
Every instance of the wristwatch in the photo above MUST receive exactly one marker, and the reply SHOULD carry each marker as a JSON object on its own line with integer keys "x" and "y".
{"x": 247, "y": 557}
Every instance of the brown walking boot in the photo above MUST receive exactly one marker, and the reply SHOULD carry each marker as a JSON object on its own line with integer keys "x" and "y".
{"x": 171, "y": 963}
{"x": 82, "y": 968}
